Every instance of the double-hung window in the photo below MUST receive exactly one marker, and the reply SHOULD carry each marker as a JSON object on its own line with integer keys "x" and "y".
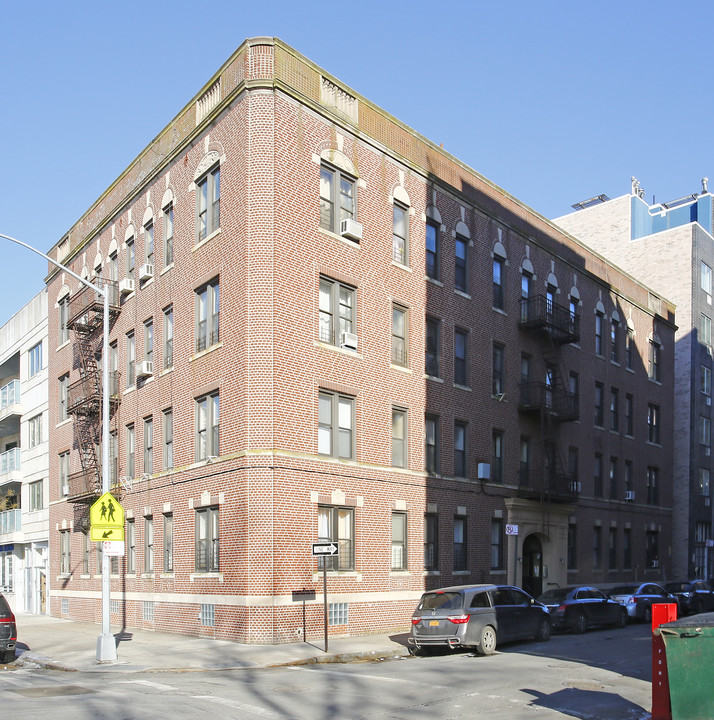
{"x": 37, "y": 495}
{"x": 148, "y": 445}
{"x": 497, "y": 469}
{"x": 399, "y": 541}
{"x": 431, "y": 444}
{"x": 652, "y": 486}
{"x": 599, "y": 342}
{"x": 615, "y": 341}
{"x": 599, "y": 399}
{"x": 35, "y": 430}
{"x": 399, "y": 437}
{"x": 130, "y": 258}
{"x": 207, "y": 547}
{"x": 169, "y": 235}
{"x": 335, "y": 432}
{"x": 168, "y": 438}
{"x": 207, "y": 315}
{"x": 630, "y": 349}
{"x": 400, "y": 234}
{"x": 499, "y": 265}
{"x": 497, "y": 376}
{"x": 130, "y": 450}
{"x": 65, "y": 549}
{"x": 148, "y": 544}
{"x": 461, "y": 371}
{"x": 705, "y": 331}
{"x": 35, "y": 359}
{"x": 63, "y": 473}
{"x": 337, "y": 198}
{"x": 461, "y": 248}
{"x": 208, "y": 203}
{"x": 460, "y": 559}
{"x": 63, "y": 318}
{"x": 706, "y": 278}
{"x": 432, "y": 250}
{"x": 168, "y": 542}
{"x": 705, "y": 380}
{"x": 207, "y": 426}
{"x": 653, "y": 424}
{"x": 399, "y": 335}
{"x": 130, "y": 359}
{"x": 496, "y": 544}
{"x": 63, "y": 397}
{"x": 168, "y": 337}
{"x": 149, "y": 340}
{"x": 336, "y": 524}
{"x": 131, "y": 545}
{"x": 433, "y": 347}
{"x": 431, "y": 541}
{"x": 614, "y": 410}
{"x": 655, "y": 360}
{"x": 460, "y": 449}
{"x": 337, "y": 311}
{"x": 149, "y": 242}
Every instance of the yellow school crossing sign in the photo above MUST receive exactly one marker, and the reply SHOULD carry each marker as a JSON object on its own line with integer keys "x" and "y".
{"x": 106, "y": 518}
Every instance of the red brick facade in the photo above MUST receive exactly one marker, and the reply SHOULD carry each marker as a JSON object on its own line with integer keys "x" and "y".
{"x": 278, "y": 117}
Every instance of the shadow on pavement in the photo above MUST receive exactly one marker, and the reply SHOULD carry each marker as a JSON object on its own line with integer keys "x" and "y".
{"x": 572, "y": 701}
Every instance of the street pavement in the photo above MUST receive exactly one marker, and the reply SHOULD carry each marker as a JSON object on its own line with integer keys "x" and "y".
{"x": 67, "y": 645}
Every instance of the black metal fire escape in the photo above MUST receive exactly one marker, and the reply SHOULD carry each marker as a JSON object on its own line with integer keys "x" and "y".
{"x": 84, "y": 396}
{"x": 550, "y": 401}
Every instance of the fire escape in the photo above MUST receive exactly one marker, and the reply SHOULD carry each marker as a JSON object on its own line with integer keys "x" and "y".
{"x": 550, "y": 402}
{"x": 84, "y": 397}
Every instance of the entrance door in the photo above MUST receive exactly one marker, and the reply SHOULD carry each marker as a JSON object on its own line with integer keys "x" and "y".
{"x": 533, "y": 566}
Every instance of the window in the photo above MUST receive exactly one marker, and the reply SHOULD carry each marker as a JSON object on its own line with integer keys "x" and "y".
{"x": 598, "y": 334}
{"x": 628, "y": 475}
{"x": 63, "y": 317}
{"x": 399, "y": 541}
{"x": 63, "y": 390}
{"x": 630, "y": 349}
{"x": 86, "y": 545}
{"x": 614, "y": 410}
{"x": 399, "y": 437}
{"x": 207, "y": 312}
{"x": 337, "y": 310}
{"x": 169, "y": 337}
{"x": 705, "y": 375}
{"x": 498, "y": 282}
{"x": 130, "y": 545}
{"x": 460, "y": 449}
{"x": 168, "y": 439}
{"x": 65, "y": 552}
{"x": 612, "y": 548}
{"x": 461, "y": 248}
{"x": 704, "y": 477}
{"x": 37, "y": 495}
{"x": 652, "y": 486}
{"x": 706, "y": 278}
{"x": 627, "y": 549}
{"x": 433, "y": 247}
{"x": 629, "y": 415}
{"x": 207, "y": 426}
{"x": 572, "y": 546}
{"x": 574, "y": 389}
{"x": 705, "y": 330}
{"x": 148, "y": 544}
{"x": 573, "y": 464}
{"x": 336, "y": 524}
{"x": 431, "y": 444}
{"x": 597, "y": 476}
{"x": 168, "y": 543}
{"x": 208, "y": 203}
{"x": 400, "y": 234}
{"x": 496, "y": 544}
{"x": 113, "y": 456}
{"x": 653, "y": 424}
{"x": 497, "y": 456}
{"x": 461, "y": 358}
{"x": 399, "y": 335}
{"x": 599, "y": 412}
{"x": 63, "y": 473}
{"x": 130, "y": 359}
{"x": 525, "y": 295}
{"x": 34, "y": 355}
{"x": 130, "y": 450}
{"x": 597, "y": 546}
{"x": 459, "y": 543}
{"x": 614, "y": 479}
{"x": 524, "y": 472}
{"x": 169, "y": 235}
{"x": 615, "y": 341}
{"x": 433, "y": 347}
{"x": 130, "y": 258}
{"x": 655, "y": 359}
{"x": 207, "y": 540}
{"x": 335, "y": 436}
{"x": 337, "y": 198}
{"x": 35, "y": 430}
{"x": 149, "y": 242}
{"x": 498, "y": 376}
{"x": 705, "y": 431}
{"x": 431, "y": 541}
{"x": 149, "y": 446}
{"x": 113, "y": 267}
{"x": 652, "y": 542}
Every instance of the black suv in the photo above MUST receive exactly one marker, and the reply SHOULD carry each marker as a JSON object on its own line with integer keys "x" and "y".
{"x": 8, "y": 632}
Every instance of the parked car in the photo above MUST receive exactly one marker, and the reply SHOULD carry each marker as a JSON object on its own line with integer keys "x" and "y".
{"x": 694, "y": 596}
{"x": 638, "y": 599}
{"x": 8, "y": 632}
{"x": 578, "y": 608}
{"x": 477, "y": 616}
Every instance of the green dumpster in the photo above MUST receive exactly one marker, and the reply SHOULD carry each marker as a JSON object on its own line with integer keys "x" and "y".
{"x": 689, "y": 645}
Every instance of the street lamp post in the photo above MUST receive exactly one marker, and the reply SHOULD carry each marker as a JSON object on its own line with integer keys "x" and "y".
{"x": 106, "y": 644}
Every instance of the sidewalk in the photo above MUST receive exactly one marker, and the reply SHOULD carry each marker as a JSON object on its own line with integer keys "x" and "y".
{"x": 66, "y": 645}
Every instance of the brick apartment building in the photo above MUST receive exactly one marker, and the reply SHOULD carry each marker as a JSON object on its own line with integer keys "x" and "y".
{"x": 326, "y": 327}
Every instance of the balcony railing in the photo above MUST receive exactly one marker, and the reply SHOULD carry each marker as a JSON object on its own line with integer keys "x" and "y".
{"x": 85, "y": 395}
{"x": 9, "y": 394}
{"x": 541, "y": 313}
{"x": 548, "y": 484}
{"x": 10, "y": 521}
{"x": 10, "y": 461}
{"x": 535, "y": 396}
{"x": 86, "y": 306}
{"x": 82, "y": 484}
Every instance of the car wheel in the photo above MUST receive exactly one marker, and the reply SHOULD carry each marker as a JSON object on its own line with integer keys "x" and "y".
{"x": 621, "y": 621}
{"x": 487, "y": 646}
{"x": 7, "y": 657}
{"x": 545, "y": 627}
{"x": 697, "y": 606}
{"x": 647, "y": 616}
{"x": 580, "y": 623}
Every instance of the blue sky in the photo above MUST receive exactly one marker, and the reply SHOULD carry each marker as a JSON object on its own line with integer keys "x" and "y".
{"x": 553, "y": 101}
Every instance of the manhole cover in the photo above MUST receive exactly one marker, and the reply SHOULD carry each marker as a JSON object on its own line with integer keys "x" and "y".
{"x": 42, "y": 692}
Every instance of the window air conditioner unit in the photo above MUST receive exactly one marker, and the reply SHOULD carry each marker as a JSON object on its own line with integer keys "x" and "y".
{"x": 629, "y": 494}
{"x": 575, "y": 486}
{"x": 65, "y": 489}
{"x": 126, "y": 286}
{"x": 707, "y": 451}
{"x": 348, "y": 340}
{"x": 655, "y": 563}
{"x": 351, "y": 229}
{"x": 144, "y": 368}
{"x": 709, "y": 400}
{"x": 146, "y": 271}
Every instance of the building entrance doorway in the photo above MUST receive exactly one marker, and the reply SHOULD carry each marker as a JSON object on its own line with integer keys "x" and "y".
{"x": 533, "y": 566}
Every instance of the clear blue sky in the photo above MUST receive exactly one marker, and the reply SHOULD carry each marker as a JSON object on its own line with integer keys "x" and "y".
{"x": 553, "y": 101}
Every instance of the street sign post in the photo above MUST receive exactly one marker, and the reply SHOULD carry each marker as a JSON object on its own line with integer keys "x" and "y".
{"x": 512, "y": 529}
{"x": 324, "y": 550}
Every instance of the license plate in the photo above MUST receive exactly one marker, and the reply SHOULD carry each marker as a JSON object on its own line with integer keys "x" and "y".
{"x": 433, "y": 623}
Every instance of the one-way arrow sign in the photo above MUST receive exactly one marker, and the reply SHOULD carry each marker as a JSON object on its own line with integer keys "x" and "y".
{"x": 325, "y": 548}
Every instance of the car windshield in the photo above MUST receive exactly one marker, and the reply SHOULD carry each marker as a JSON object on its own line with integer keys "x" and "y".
{"x": 441, "y": 601}
{"x": 554, "y": 595}
{"x": 624, "y": 590}
{"x": 674, "y": 587}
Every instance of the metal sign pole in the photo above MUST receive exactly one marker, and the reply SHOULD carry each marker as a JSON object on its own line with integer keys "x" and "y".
{"x": 324, "y": 595}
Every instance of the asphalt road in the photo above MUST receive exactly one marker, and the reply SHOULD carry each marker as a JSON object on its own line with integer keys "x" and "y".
{"x": 600, "y": 675}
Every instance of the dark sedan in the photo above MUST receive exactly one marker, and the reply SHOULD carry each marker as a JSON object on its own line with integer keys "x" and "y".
{"x": 578, "y": 608}
{"x": 695, "y": 596}
{"x": 8, "y": 632}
